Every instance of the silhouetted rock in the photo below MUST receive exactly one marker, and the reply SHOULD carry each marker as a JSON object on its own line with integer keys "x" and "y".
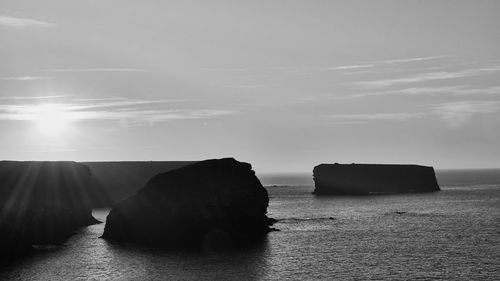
{"x": 207, "y": 204}
{"x": 116, "y": 181}
{"x": 45, "y": 201}
{"x": 360, "y": 179}
{"x": 13, "y": 243}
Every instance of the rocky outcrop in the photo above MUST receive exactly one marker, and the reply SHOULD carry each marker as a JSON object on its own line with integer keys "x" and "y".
{"x": 361, "y": 179}
{"x": 205, "y": 204}
{"x": 45, "y": 201}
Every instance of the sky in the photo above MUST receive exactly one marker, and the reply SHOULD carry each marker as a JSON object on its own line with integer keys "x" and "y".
{"x": 282, "y": 84}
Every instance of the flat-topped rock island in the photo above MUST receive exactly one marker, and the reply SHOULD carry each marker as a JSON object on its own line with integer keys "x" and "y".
{"x": 365, "y": 179}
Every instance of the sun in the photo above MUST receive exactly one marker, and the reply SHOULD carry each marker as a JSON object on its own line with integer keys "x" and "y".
{"x": 51, "y": 119}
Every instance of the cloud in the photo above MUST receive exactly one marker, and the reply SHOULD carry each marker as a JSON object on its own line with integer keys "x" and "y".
{"x": 96, "y": 70}
{"x": 430, "y": 76}
{"x": 48, "y": 150}
{"x": 454, "y": 114}
{"x": 458, "y": 113}
{"x": 406, "y": 91}
{"x": 458, "y": 90}
{"x": 368, "y": 118}
{"x": 25, "y": 78}
{"x": 360, "y": 72}
{"x": 222, "y": 69}
{"x": 249, "y": 86}
{"x": 349, "y": 67}
{"x": 370, "y": 64}
{"x": 414, "y": 59}
{"x": 13, "y": 22}
{"x": 32, "y": 98}
{"x": 126, "y": 111}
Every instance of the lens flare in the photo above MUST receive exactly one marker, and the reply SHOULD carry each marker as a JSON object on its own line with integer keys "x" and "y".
{"x": 51, "y": 119}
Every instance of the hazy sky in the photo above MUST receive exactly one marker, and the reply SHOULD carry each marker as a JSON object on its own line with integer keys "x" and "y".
{"x": 284, "y": 85}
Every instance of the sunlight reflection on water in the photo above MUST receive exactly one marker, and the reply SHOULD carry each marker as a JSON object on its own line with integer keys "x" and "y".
{"x": 452, "y": 234}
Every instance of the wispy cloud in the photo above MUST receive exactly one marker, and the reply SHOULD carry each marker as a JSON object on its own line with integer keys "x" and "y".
{"x": 360, "y": 72}
{"x": 15, "y": 22}
{"x": 458, "y": 90}
{"x": 454, "y": 113}
{"x": 48, "y": 150}
{"x": 350, "y": 67}
{"x": 34, "y": 98}
{"x": 25, "y": 78}
{"x": 96, "y": 70}
{"x": 249, "y": 86}
{"x": 430, "y": 76}
{"x": 414, "y": 59}
{"x": 126, "y": 111}
{"x": 222, "y": 69}
{"x": 368, "y": 118}
{"x": 117, "y": 102}
{"x": 406, "y": 91}
{"x": 458, "y": 113}
{"x": 462, "y": 91}
{"x": 369, "y": 64}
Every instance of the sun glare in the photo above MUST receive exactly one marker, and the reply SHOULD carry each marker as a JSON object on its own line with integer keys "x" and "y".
{"x": 51, "y": 119}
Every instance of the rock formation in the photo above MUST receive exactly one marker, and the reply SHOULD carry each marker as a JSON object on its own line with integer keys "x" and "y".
{"x": 361, "y": 179}
{"x": 13, "y": 243}
{"x": 205, "y": 204}
{"x": 45, "y": 201}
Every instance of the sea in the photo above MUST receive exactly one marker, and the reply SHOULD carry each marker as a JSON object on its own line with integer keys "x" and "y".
{"x": 453, "y": 234}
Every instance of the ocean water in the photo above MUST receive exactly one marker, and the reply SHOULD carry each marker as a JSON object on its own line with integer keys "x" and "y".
{"x": 453, "y": 234}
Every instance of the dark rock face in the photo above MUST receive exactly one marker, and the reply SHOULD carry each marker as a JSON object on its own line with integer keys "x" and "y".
{"x": 45, "y": 201}
{"x": 360, "y": 179}
{"x": 13, "y": 243}
{"x": 207, "y": 203}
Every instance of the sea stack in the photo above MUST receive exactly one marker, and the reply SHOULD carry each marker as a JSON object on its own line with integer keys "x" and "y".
{"x": 45, "y": 202}
{"x": 364, "y": 179}
{"x": 210, "y": 203}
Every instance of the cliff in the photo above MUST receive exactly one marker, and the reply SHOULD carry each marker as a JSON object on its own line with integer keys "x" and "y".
{"x": 116, "y": 181}
{"x": 13, "y": 243}
{"x": 45, "y": 201}
{"x": 205, "y": 204}
{"x": 360, "y": 179}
